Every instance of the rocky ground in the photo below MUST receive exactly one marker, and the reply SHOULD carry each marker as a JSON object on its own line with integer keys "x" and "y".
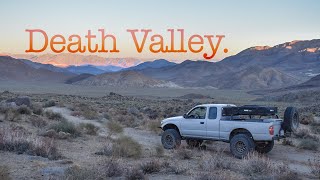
{"x": 53, "y": 136}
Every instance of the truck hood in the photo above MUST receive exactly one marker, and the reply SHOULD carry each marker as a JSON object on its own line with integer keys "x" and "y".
{"x": 171, "y": 119}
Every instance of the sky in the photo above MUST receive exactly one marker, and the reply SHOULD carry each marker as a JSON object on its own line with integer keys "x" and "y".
{"x": 244, "y": 23}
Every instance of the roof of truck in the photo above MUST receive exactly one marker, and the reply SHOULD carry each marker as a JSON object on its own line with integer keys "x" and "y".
{"x": 217, "y": 105}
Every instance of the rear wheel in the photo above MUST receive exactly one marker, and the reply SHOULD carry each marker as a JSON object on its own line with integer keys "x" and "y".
{"x": 241, "y": 145}
{"x": 194, "y": 142}
{"x": 264, "y": 147}
{"x": 291, "y": 119}
{"x": 170, "y": 139}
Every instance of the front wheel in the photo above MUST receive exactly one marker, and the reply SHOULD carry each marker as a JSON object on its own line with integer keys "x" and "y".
{"x": 241, "y": 145}
{"x": 264, "y": 147}
{"x": 170, "y": 139}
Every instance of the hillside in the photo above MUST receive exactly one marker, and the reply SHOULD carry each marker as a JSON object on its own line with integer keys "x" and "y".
{"x": 64, "y": 60}
{"x": 124, "y": 79}
{"x": 159, "y": 63}
{"x": 17, "y": 70}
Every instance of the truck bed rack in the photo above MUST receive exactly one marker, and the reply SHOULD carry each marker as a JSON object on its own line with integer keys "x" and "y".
{"x": 250, "y": 110}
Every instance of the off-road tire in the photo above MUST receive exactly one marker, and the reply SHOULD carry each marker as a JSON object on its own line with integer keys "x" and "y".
{"x": 194, "y": 142}
{"x": 241, "y": 145}
{"x": 291, "y": 119}
{"x": 170, "y": 139}
{"x": 264, "y": 147}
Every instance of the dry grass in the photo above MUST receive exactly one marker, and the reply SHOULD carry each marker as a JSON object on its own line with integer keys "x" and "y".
{"x": 306, "y": 118}
{"x": 114, "y": 127}
{"x": 126, "y": 147}
{"x": 113, "y": 168}
{"x": 20, "y": 142}
{"x": 150, "y": 167}
{"x": 308, "y": 144}
{"x": 314, "y": 166}
{"x": 54, "y": 116}
{"x": 65, "y": 126}
{"x": 217, "y": 161}
{"x": 89, "y": 128}
{"x": 135, "y": 174}
{"x": 4, "y": 173}
{"x": 38, "y": 121}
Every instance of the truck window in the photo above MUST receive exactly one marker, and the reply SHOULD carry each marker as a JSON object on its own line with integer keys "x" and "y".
{"x": 197, "y": 113}
{"x": 213, "y": 113}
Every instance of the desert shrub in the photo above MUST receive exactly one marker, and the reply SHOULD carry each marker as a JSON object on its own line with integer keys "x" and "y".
{"x": 314, "y": 166}
{"x": 215, "y": 162}
{"x": 4, "y": 173}
{"x": 150, "y": 167}
{"x": 287, "y": 142}
{"x": 65, "y": 126}
{"x": 126, "y": 147}
{"x": 37, "y": 109}
{"x": 20, "y": 142}
{"x": 114, "y": 127}
{"x": 154, "y": 126}
{"x": 184, "y": 153}
{"x": 135, "y": 174}
{"x": 254, "y": 164}
{"x": 113, "y": 168}
{"x": 80, "y": 173}
{"x": 49, "y": 103}
{"x": 260, "y": 167}
{"x": 90, "y": 114}
{"x": 24, "y": 110}
{"x": 127, "y": 120}
{"x": 178, "y": 169}
{"x": 307, "y": 118}
{"x": 305, "y": 134}
{"x": 54, "y": 116}
{"x": 308, "y": 144}
{"x": 89, "y": 128}
{"x": 219, "y": 175}
{"x": 12, "y": 115}
{"x": 86, "y": 111}
{"x": 37, "y": 121}
{"x": 315, "y": 127}
{"x": 159, "y": 150}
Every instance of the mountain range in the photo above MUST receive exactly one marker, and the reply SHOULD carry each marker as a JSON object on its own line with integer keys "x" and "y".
{"x": 260, "y": 67}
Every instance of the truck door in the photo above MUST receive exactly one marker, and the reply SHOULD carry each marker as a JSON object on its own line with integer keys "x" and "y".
{"x": 213, "y": 123}
{"x": 194, "y": 123}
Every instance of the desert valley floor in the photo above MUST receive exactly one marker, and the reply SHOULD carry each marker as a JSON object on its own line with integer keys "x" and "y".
{"x": 78, "y": 132}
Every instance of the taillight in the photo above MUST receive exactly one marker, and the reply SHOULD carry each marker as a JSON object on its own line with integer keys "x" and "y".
{"x": 271, "y": 130}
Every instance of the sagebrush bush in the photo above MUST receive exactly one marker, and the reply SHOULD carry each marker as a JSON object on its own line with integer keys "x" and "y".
{"x": 215, "y": 162}
{"x": 54, "y": 116}
{"x": 159, "y": 150}
{"x": 24, "y": 110}
{"x": 150, "y": 167}
{"x": 20, "y": 142}
{"x": 154, "y": 126}
{"x": 65, "y": 126}
{"x": 89, "y": 128}
{"x": 37, "y": 109}
{"x": 113, "y": 168}
{"x": 126, "y": 147}
{"x": 49, "y": 103}
{"x": 184, "y": 153}
{"x": 127, "y": 120}
{"x": 308, "y": 144}
{"x": 81, "y": 173}
{"x": 12, "y": 115}
{"x": 307, "y": 118}
{"x": 135, "y": 174}
{"x": 38, "y": 121}
{"x": 114, "y": 127}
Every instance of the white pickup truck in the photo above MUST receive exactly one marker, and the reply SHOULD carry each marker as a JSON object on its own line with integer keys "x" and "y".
{"x": 243, "y": 127}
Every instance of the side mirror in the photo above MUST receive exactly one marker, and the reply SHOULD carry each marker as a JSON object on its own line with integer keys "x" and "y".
{"x": 185, "y": 116}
